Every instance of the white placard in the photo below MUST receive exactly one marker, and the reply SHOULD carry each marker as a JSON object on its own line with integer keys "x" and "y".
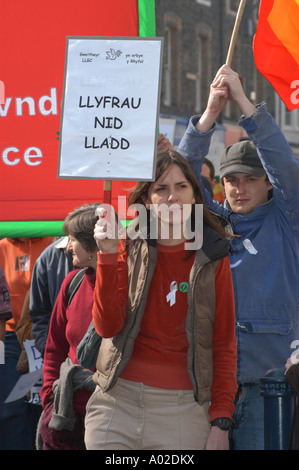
{"x": 33, "y": 380}
{"x": 110, "y": 112}
{"x": 24, "y": 384}
{"x": 35, "y": 359}
{"x": 167, "y": 127}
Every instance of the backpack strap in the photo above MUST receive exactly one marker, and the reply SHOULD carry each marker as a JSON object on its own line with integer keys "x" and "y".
{"x": 74, "y": 285}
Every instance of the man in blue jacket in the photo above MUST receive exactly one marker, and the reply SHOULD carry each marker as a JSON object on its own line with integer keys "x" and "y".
{"x": 261, "y": 183}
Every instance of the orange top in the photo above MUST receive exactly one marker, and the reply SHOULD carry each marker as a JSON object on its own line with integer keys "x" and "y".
{"x": 17, "y": 258}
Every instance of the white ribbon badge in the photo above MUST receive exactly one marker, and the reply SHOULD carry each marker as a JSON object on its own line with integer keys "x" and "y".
{"x": 171, "y": 296}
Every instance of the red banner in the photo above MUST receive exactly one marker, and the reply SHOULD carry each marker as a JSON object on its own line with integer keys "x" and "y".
{"x": 32, "y": 55}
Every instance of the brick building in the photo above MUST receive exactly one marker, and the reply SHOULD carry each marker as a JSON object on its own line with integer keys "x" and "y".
{"x": 196, "y": 40}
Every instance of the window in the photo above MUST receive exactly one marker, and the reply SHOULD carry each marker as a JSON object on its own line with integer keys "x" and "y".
{"x": 207, "y": 3}
{"x": 198, "y": 92}
{"x": 171, "y": 68}
{"x": 202, "y": 85}
{"x": 289, "y": 119}
{"x": 232, "y": 6}
{"x": 167, "y": 68}
{"x": 202, "y": 64}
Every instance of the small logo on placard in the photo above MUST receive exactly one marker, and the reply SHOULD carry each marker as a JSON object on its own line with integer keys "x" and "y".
{"x": 112, "y": 54}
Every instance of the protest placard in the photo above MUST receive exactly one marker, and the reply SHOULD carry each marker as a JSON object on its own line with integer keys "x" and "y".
{"x": 110, "y": 113}
{"x": 32, "y": 381}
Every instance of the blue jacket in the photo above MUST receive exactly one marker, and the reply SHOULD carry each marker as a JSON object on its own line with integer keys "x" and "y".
{"x": 266, "y": 273}
{"x": 49, "y": 271}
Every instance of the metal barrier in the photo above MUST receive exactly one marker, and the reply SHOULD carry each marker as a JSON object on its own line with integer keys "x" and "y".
{"x": 278, "y": 409}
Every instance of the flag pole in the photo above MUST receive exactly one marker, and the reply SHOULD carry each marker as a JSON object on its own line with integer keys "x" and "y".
{"x": 233, "y": 40}
{"x": 107, "y": 191}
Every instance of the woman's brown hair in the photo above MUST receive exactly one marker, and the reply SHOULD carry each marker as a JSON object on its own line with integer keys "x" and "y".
{"x": 80, "y": 224}
{"x": 164, "y": 161}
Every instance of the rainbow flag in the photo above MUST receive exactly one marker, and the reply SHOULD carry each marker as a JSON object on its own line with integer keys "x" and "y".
{"x": 276, "y": 49}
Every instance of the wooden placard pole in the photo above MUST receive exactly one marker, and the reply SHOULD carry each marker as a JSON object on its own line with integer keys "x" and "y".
{"x": 107, "y": 191}
{"x": 233, "y": 40}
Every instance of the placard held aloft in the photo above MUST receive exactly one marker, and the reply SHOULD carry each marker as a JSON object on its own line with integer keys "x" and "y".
{"x": 110, "y": 114}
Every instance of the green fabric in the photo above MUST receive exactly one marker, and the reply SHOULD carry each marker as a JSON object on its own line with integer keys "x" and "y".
{"x": 147, "y": 18}
{"x": 32, "y": 229}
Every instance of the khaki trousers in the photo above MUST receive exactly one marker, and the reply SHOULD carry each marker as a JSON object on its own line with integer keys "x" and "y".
{"x": 133, "y": 416}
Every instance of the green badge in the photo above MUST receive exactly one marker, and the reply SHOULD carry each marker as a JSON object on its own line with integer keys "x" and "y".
{"x": 183, "y": 286}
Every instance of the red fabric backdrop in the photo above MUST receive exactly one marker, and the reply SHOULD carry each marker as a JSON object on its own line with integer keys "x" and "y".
{"x": 32, "y": 54}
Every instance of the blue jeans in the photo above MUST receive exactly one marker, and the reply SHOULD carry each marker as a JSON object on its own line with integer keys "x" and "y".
{"x": 16, "y": 418}
{"x": 248, "y": 431}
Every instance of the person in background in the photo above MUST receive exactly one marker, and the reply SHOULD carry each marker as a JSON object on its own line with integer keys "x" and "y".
{"x": 260, "y": 177}
{"x": 50, "y": 269}
{"x": 69, "y": 323}
{"x": 292, "y": 375}
{"x": 17, "y": 258}
{"x": 166, "y": 368}
{"x": 23, "y": 333}
{"x": 5, "y": 309}
{"x": 5, "y": 314}
{"x": 207, "y": 174}
{"x": 208, "y": 171}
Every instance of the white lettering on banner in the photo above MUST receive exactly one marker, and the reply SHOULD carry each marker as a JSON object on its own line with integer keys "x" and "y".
{"x": 19, "y": 106}
{"x": 6, "y": 103}
{"x": 46, "y": 105}
{"x": 2, "y": 92}
{"x": 52, "y": 99}
{"x": 52, "y": 108}
{"x": 32, "y": 156}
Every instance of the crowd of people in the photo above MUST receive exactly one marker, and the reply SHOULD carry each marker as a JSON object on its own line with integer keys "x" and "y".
{"x": 184, "y": 315}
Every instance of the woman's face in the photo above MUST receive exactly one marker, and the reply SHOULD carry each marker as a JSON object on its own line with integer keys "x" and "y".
{"x": 172, "y": 196}
{"x": 80, "y": 255}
